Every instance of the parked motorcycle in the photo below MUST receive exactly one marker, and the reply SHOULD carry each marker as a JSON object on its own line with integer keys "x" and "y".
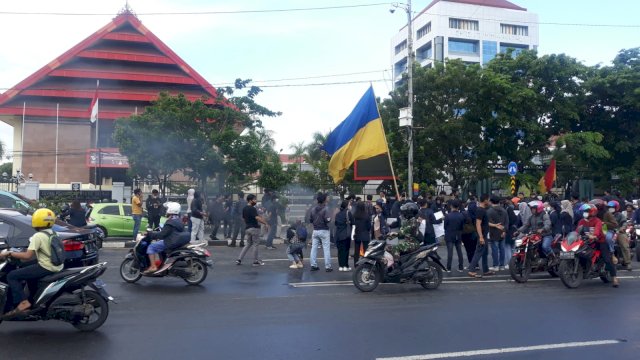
{"x": 76, "y": 296}
{"x": 188, "y": 262}
{"x": 422, "y": 266}
{"x": 529, "y": 257}
{"x": 581, "y": 259}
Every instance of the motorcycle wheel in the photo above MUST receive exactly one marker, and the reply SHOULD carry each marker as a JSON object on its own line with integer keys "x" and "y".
{"x": 128, "y": 272}
{"x": 519, "y": 272}
{"x": 569, "y": 278}
{"x": 199, "y": 270}
{"x": 366, "y": 277}
{"x": 99, "y": 314}
{"x": 436, "y": 280}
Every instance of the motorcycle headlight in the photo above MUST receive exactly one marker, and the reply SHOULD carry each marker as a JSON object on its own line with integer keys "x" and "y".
{"x": 518, "y": 242}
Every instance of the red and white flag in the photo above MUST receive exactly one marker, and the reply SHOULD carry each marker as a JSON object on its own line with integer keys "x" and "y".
{"x": 94, "y": 105}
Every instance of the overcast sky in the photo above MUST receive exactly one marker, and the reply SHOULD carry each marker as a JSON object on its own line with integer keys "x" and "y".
{"x": 285, "y": 45}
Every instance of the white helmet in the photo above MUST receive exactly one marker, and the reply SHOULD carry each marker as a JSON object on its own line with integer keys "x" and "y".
{"x": 173, "y": 208}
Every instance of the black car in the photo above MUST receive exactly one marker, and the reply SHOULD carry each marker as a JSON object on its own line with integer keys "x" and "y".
{"x": 79, "y": 244}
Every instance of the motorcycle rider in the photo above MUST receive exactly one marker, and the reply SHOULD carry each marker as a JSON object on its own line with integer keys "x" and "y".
{"x": 42, "y": 221}
{"x": 540, "y": 223}
{"x": 622, "y": 240}
{"x": 410, "y": 230}
{"x": 591, "y": 225}
{"x": 172, "y": 236}
{"x": 611, "y": 224}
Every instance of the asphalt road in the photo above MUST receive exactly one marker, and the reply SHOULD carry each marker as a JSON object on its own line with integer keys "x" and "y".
{"x": 272, "y": 312}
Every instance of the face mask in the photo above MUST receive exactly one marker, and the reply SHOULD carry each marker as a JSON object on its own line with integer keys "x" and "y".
{"x": 585, "y": 215}
{"x": 612, "y": 210}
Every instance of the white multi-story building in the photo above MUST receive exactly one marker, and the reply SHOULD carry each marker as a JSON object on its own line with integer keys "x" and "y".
{"x": 471, "y": 30}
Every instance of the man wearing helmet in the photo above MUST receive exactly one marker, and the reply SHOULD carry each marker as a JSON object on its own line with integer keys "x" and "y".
{"x": 409, "y": 230}
{"x": 172, "y": 236}
{"x": 39, "y": 245}
{"x": 540, "y": 223}
{"x": 591, "y": 225}
{"x": 621, "y": 240}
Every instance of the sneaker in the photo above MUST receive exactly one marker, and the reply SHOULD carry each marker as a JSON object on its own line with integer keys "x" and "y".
{"x": 506, "y": 267}
{"x": 271, "y": 247}
{"x": 238, "y": 262}
{"x": 493, "y": 268}
{"x": 460, "y": 268}
{"x": 340, "y": 269}
{"x": 347, "y": 269}
{"x": 328, "y": 269}
{"x": 314, "y": 268}
{"x": 501, "y": 268}
{"x": 300, "y": 265}
{"x": 258, "y": 263}
{"x": 447, "y": 270}
{"x": 293, "y": 266}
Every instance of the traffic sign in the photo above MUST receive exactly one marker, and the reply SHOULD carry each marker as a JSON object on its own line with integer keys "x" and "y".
{"x": 513, "y": 186}
{"x": 512, "y": 168}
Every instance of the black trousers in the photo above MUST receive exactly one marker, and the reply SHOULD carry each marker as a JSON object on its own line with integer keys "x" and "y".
{"x": 343, "y": 252}
{"x": 356, "y": 250}
{"x": 606, "y": 256}
{"x": 458, "y": 246}
{"x": 215, "y": 225}
{"x": 31, "y": 274}
{"x": 154, "y": 221}
{"x": 470, "y": 241}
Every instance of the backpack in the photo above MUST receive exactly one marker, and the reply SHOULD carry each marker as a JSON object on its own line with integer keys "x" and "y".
{"x": 58, "y": 254}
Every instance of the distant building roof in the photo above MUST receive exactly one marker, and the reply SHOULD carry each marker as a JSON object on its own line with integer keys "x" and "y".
{"x": 504, "y": 4}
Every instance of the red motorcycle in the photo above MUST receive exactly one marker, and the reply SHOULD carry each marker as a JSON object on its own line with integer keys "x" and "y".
{"x": 581, "y": 259}
{"x": 529, "y": 257}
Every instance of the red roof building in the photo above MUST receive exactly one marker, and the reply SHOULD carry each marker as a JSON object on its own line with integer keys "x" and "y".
{"x": 132, "y": 66}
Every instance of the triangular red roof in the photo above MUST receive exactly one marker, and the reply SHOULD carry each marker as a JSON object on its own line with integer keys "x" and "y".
{"x": 124, "y": 53}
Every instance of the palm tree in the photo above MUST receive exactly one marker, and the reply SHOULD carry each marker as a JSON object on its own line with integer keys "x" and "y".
{"x": 299, "y": 150}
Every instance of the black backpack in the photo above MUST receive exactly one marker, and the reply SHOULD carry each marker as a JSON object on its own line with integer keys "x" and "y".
{"x": 58, "y": 254}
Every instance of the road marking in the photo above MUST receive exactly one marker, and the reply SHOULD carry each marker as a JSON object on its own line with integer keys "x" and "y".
{"x": 505, "y": 350}
{"x": 269, "y": 260}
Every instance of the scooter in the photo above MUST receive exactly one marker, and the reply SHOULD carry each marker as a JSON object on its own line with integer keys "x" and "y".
{"x": 421, "y": 266}
{"x": 76, "y": 296}
{"x": 189, "y": 262}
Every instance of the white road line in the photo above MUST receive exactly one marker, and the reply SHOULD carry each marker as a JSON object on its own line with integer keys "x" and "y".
{"x": 505, "y": 350}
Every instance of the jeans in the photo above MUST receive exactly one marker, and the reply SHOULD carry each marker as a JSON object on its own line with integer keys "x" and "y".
{"x": 458, "y": 246}
{"x": 238, "y": 227}
{"x": 294, "y": 251}
{"x": 197, "y": 230}
{"x": 155, "y": 247}
{"x": 321, "y": 236}
{"x": 508, "y": 252}
{"x": 546, "y": 244}
{"x": 272, "y": 233}
{"x": 136, "y": 224}
{"x": 481, "y": 253}
{"x": 343, "y": 252}
{"x": 253, "y": 240}
{"x": 497, "y": 252}
{"x": 30, "y": 274}
{"x": 610, "y": 241}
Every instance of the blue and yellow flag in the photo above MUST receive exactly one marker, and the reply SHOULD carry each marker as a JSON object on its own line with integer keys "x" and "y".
{"x": 360, "y": 136}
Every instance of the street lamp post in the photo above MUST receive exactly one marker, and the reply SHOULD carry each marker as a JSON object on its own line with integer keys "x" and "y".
{"x": 408, "y": 116}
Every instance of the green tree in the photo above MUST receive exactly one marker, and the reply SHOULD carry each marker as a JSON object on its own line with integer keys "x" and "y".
{"x": 6, "y": 168}
{"x": 299, "y": 150}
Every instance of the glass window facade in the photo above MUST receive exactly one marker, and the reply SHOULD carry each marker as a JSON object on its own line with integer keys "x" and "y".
{"x": 401, "y": 46}
{"x": 463, "y": 46}
{"x": 489, "y": 51}
{"x": 517, "y": 48}
{"x": 424, "y": 52}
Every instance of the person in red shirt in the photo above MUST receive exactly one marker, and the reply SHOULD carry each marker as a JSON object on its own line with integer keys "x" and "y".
{"x": 591, "y": 225}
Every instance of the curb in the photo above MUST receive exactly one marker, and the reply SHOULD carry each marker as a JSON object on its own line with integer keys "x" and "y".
{"x": 116, "y": 243}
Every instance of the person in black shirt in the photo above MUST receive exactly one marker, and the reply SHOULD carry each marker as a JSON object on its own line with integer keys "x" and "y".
{"x": 482, "y": 228}
{"x": 154, "y": 206}
{"x": 77, "y": 214}
{"x": 252, "y": 224}
{"x": 453, "y": 224}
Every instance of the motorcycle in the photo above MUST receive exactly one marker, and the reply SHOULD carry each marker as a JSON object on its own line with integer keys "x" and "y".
{"x": 188, "y": 262}
{"x": 76, "y": 296}
{"x": 529, "y": 257}
{"x": 422, "y": 266}
{"x": 580, "y": 259}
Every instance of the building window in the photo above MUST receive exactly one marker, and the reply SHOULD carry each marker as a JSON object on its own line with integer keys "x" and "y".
{"x": 400, "y": 67}
{"x": 424, "y": 30}
{"x": 401, "y": 46}
{"x": 489, "y": 51}
{"x": 463, "y": 46}
{"x": 464, "y": 24}
{"x": 516, "y": 49}
{"x": 425, "y": 52}
{"x": 514, "y": 30}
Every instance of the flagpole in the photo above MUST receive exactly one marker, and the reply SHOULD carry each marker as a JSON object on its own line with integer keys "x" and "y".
{"x": 57, "y": 131}
{"x": 393, "y": 173}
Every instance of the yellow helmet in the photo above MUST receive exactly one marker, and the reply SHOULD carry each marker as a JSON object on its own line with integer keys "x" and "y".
{"x": 43, "y": 218}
